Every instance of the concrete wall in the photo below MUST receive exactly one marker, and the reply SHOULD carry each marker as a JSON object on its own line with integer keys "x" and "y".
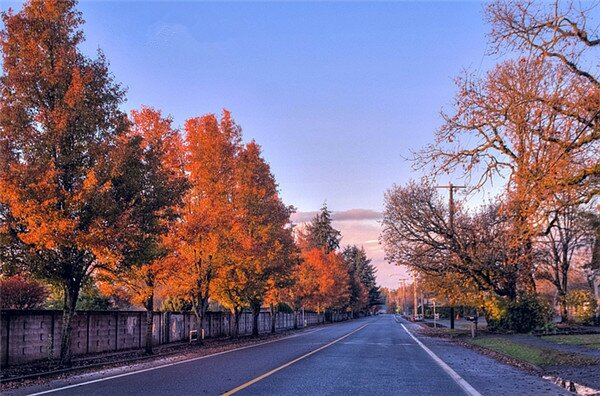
{"x": 28, "y": 336}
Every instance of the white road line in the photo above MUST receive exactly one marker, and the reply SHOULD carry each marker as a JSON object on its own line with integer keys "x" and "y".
{"x": 265, "y": 375}
{"x": 169, "y": 364}
{"x": 453, "y": 374}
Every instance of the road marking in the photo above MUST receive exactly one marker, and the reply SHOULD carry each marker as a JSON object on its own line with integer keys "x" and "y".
{"x": 170, "y": 364}
{"x": 265, "y": 375}
{"x": 469, "y": 390}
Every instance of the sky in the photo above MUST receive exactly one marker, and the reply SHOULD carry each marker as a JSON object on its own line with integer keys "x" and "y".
{"x": 336, "y": 93}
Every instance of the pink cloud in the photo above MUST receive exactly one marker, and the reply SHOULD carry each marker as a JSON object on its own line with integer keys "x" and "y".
{"x": 345, "y": 215}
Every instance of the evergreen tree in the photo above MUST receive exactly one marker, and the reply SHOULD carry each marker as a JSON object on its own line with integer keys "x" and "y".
{"x": 319, "y": 233}
{"x": 362, "y": 274}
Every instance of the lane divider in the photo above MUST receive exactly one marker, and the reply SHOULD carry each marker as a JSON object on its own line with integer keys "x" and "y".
{"x": 469, "y": 390}
{"x": 265, "y": 375}
{"x": 172, "y": 364}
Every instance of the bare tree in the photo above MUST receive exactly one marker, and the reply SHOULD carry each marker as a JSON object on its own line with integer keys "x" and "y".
{"x": 561, "y": 31}
{"x": 416, "y": 233}
{"x": 569, "y": 233}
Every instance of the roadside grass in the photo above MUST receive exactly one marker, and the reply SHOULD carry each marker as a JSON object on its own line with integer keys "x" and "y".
{"x": 585, "y": 340}
{"x": 532, "y": 354}
{"x": 457, "y": 332}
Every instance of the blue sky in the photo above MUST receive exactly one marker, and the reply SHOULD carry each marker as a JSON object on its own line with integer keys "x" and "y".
{"x": 335, "y": 93}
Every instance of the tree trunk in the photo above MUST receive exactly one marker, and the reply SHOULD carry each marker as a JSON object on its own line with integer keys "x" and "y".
{"x": 70, "y": 302}
{"x": 255, "y": 317}
{"x": 235, "y": 329}
{"x": 200, "y": 309}
{"x": 565, "y": 282}
{"x": 149, "y": 304}
{"x": 273, "y": 318}
{"x": 296, "y": 313}
{"x": 562, "y": 301}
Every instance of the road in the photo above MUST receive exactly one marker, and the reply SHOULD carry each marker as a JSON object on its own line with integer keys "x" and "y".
{"x": 375, "y": 355}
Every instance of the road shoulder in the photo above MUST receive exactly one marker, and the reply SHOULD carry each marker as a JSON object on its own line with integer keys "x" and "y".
{"x": 487, "y": 375}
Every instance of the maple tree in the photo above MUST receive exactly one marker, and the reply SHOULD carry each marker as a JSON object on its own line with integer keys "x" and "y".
{"x": 327, "y": 279}
{"x": 326, "y": 282}
{"x": 264, "y": 233}
{"x": 203, "y": 240}
{"x": 156, "y": 170}
{"x": 90, "y": 197}
{"x": 261, "y": 233}
{"x": 60, "y": 125}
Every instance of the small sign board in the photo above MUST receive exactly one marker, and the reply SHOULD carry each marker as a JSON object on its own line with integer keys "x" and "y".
{"x": 193, "y": 335}
{"x": 436, "y": 316}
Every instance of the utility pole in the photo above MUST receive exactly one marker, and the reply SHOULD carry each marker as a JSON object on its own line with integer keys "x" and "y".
{"x": 415, "y": 296}
{"x": 403, "y": 280}
{"x": 403, "y": 296}
{"x": 451, "y": 187}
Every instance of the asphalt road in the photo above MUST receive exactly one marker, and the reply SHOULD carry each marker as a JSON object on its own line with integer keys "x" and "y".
{"x": 375, "y": 355}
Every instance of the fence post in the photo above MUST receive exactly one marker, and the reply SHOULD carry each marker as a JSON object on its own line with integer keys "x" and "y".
{"x": 51, "y": 352}
{"x": 7, "y": 337}
{"x": 87, "y": 334}
{"x": 159, "y": 327}
{"x": 140, "y": 329}
{"x": 116, "y": 330}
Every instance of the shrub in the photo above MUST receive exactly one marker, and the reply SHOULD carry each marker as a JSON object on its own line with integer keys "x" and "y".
{"x": 582, "y": 305}
{"x": 90, "y": 298}
{"x": 175, "y": 304}
{"x": 17, "y": 292}
{"x": 525, "y": 314}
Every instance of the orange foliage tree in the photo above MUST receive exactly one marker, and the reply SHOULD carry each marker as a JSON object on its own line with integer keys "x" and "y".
{"x": 263, "y": 245}
{"x": 63, "y": 196}
{"x": 324, "y": 281}
{"x": 263, "y": 232}
{"x": 160, "y": 175}
{"x": 202, "y": 241}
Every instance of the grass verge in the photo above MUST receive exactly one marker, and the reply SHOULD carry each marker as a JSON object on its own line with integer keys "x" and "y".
{"x": 585, "y": 340}
{"x": 532, "y": 354}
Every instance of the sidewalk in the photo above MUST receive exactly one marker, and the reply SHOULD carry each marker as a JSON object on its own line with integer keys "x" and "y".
{"x": 459, "y": 324}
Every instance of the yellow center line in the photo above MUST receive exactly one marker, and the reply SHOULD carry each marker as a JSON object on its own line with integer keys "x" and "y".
{"x": 265, "y": 375}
